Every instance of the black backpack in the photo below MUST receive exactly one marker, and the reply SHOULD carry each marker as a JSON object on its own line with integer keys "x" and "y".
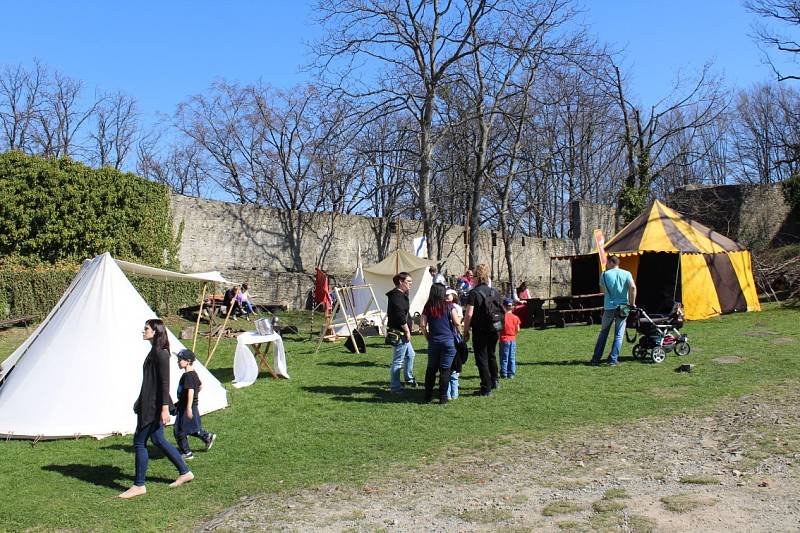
{"x": 488, "y": 314}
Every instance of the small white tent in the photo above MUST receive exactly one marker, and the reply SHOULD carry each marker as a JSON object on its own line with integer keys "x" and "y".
{"x": 359, "y": 304}
{"x": 380, "y": 277}
{"x": 79, "y": 373}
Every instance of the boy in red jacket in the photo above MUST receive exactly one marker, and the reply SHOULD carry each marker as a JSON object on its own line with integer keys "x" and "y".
{"x": 508, "y": 341}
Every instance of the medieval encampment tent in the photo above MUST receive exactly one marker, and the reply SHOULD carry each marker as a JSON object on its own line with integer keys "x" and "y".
{"x": 380, "y": 277}
{"x": 673, "y": 258}
{"x": 80, "y": 371}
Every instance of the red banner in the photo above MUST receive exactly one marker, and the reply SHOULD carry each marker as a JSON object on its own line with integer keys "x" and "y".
{"x": 601, "y": 247}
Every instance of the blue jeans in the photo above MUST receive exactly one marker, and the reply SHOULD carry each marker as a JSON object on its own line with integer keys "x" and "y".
{"x": 403, "y": 356}
{"x": 508, "y": 359}
{"x": 440, "y": 357}
{"x": 155, "y": 432}
{"x": 609, "y": 317}
{"x": 248, "y": 307}
{"x": 452, "y": 392}
{"x": 183, "y": 428}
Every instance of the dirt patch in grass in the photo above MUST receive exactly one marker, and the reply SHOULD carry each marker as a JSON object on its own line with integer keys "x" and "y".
{"x": 783, "y": 340}
{"x": 759, "y": 333}
{"x": 728, "y": 360}
{"x": 631, "y": 477}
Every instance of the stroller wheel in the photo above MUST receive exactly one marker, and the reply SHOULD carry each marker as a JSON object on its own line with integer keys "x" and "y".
{"x": 658, "y": 354}
{"x": 638, "y": 351}
{"x": 682, "y": 348}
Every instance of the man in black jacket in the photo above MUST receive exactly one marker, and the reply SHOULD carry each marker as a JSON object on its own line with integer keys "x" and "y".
{"x": 399, "y": 320}
{"x": 484, "y": 333}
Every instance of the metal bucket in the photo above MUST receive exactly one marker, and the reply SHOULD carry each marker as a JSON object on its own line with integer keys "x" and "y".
{"x": 264, "y": 326}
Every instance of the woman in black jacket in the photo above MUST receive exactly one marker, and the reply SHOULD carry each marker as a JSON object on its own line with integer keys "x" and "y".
{"x": 152, "y": 410}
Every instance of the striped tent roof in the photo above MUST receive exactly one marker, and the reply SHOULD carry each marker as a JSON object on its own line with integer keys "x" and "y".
{"x": 661, "y": 229}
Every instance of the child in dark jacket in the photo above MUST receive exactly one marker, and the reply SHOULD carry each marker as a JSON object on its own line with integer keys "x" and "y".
{"x": 187, "y": 420}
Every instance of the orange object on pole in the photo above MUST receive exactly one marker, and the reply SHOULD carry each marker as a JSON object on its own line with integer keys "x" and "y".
{"x": 601, "y": 247}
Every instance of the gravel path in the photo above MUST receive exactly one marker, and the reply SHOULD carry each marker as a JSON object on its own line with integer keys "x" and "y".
{"x": 735, "y": 469}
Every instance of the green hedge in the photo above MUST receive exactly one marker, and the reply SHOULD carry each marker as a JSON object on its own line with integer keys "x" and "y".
{"x": 36, "y": 291}
{"x": 62, "y": 210}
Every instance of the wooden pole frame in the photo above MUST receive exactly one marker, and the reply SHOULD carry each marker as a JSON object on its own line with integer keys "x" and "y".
{"x": 219, "y": 335}
{"x": 199, "y": 315}
{"x": 346, "y": 292}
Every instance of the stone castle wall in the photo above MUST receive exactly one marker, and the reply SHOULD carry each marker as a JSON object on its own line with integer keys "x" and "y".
{"x": 756, "y": 216}
{"x": 250, "y": 243}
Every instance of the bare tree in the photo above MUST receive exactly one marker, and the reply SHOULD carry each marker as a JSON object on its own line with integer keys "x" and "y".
{"x": 116, "y": 125}
{"x": 646, "y": 136}
{"x": 520, "y": 40}
{"x": 766, "y": 134}
{"x": 785, "y": 12}
{"x": 20, "y": 98}
{"x": 415, "y": 45}
{"x": 61, "y": 116}
{"x": 181, "y": 167}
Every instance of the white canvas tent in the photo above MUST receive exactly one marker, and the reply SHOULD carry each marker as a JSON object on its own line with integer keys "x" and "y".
{"x": 360, "y": 304}
{"x": 380, "y": 277}
{"x": 79, "y": 373}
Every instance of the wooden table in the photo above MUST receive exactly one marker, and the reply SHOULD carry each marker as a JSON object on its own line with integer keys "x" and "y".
{"x": 578, "y": 309}
{"x": 247, "y": 365}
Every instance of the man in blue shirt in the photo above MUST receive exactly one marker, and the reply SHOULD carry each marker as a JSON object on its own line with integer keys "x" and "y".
{"x": 619, "y": 289}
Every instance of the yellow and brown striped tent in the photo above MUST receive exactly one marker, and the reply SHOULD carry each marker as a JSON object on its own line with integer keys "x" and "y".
{"x": 675, "y": 258}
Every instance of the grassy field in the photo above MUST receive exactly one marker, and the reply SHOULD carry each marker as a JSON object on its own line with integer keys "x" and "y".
{"x": 334, "y": 421}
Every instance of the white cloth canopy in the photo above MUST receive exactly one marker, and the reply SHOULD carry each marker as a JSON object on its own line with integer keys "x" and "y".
{"x": 80, "y": 371}
{"x": 380, "y": 277}
{"x": 169, "y": 275}
{"x": 245, "y": 367}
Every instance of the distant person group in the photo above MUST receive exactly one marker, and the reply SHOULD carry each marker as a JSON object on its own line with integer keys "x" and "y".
{"x": 237, "y": 302}
{"x": 474, "y": 310}
{"x": 485, "y": 317}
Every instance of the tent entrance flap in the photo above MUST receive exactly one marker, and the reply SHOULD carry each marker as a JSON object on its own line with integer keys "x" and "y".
{"x": 658, "y": 280}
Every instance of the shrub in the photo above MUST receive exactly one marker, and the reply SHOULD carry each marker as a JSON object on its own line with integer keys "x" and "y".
{"x": 62, "y": 211}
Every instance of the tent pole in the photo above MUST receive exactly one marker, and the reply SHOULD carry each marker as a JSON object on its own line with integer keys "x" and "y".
{"x": 199, "y": 314}
{"x": 212, "y": 318}
{"x": 328, "y": 321}
{"x": 677, "y": 271}
{"x": 378, "y": 307}
{"x": 347, "y": 292}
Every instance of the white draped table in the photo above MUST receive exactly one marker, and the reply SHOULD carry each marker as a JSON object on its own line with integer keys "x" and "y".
{"x": 245, "y": 367}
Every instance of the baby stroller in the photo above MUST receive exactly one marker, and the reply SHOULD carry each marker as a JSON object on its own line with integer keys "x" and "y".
{"x": 660, "y": 334}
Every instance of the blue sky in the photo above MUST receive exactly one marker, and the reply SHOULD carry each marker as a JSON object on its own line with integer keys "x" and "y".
{"x": 161, "y": 52}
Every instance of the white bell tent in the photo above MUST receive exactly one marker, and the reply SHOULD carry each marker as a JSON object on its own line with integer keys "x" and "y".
{"x": 380, "y": 277}
{"x": 80, "y": 371}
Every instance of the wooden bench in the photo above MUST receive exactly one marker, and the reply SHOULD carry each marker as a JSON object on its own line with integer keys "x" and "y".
{"x": 4, "y": 324}
{"x": 578, "y": 315}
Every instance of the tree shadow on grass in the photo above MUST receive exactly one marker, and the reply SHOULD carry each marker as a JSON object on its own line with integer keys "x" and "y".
{"x": 222, "y": 374}
{"x": 153, "y": 453}
{"x": 352, "y": 363}
{"x": 376, "y": 394}
{"x": 102, "y": 475}
{"x": 570, "y": 362}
